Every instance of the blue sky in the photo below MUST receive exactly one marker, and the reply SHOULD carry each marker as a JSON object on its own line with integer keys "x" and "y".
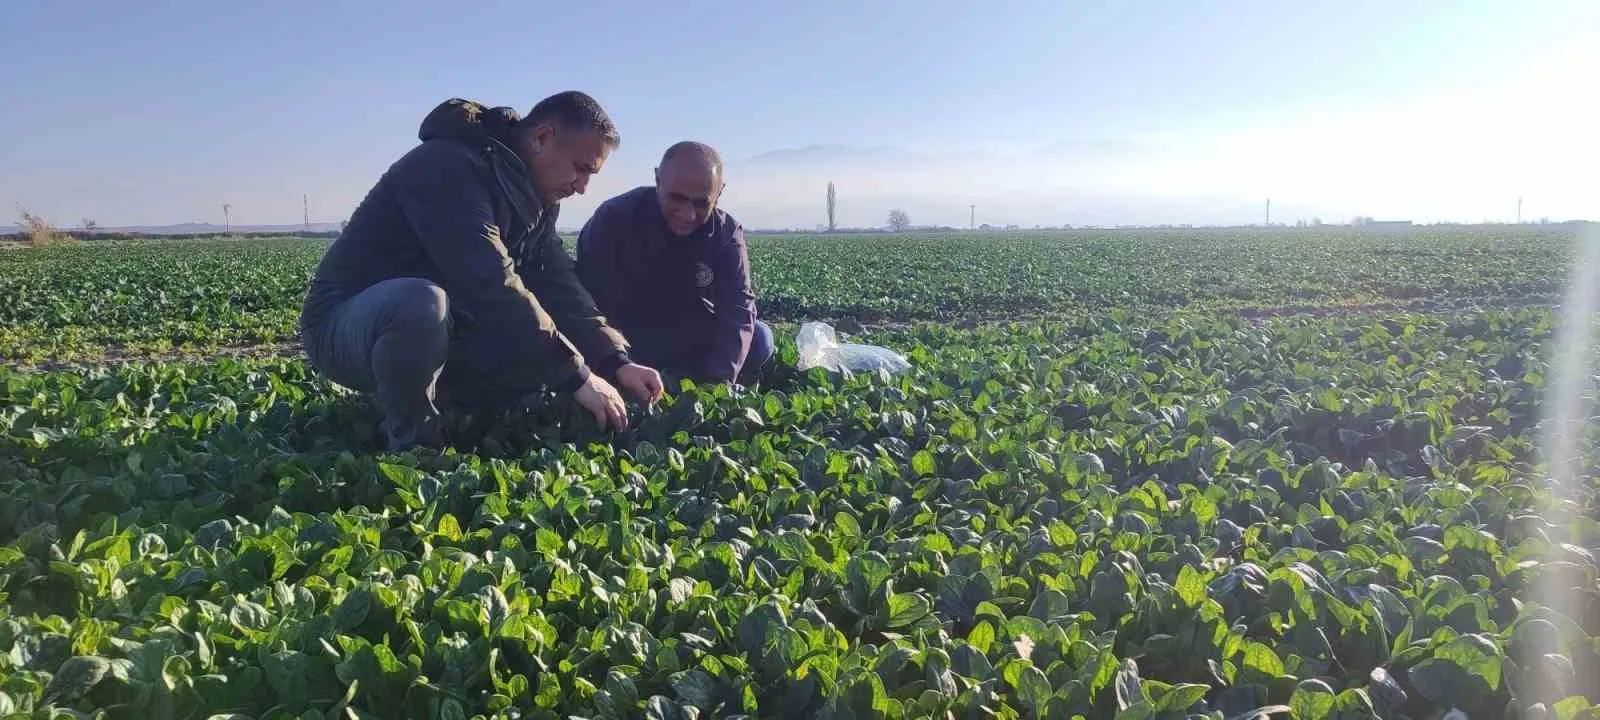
{"x": 1043, "y": 112}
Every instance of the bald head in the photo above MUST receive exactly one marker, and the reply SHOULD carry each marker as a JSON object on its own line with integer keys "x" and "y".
{"x": 688, "y": 184}
{"x": 699, "y": 156}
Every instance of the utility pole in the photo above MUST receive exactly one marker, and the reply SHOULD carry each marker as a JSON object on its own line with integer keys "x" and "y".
{"x": 227, "y": 219}
{"x": 1519, "y": 209}
{"x": 1269, "y": 212}
{"x": 305, "y": 205}
{"x": 972, "y": 216}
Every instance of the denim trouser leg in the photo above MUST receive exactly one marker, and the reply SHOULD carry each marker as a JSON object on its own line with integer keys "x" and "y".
{"x": 391, "y": 340}
{"x": 762, "y": 350}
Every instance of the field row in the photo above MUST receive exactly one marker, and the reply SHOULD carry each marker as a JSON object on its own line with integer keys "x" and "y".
{"x": 1191, "y": 517}
{"x": 149, "y": 297}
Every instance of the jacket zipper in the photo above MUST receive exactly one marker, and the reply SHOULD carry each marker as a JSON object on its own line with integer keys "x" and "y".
{"x": 527, "y": 252}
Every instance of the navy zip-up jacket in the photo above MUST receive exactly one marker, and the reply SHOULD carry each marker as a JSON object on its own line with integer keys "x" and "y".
{"x": 643, "y": 278}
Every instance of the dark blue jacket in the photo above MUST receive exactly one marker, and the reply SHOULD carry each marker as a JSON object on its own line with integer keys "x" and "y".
{"x": 459, "y": 209}
{"x": 643, "y": 277}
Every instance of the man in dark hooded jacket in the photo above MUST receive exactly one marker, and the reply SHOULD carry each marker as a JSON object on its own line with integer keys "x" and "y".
{"x": 449, "y": 278}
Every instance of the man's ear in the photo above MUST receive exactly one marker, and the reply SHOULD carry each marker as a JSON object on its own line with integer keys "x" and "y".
{"x": 541, "y": 137}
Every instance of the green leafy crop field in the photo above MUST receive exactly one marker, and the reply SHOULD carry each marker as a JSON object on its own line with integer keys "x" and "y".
{"x": 1114, "y": 484}
{"x": 151, "y": 296}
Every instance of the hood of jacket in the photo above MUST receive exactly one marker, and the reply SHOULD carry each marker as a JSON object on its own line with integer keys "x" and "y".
{"x": 468, "y": 120}
{"x": 489, "y": 128}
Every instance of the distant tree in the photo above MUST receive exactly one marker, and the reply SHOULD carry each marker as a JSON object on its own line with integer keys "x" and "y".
{"x": 899, "y": 220}
{"x": 38, "y": 232}
{"x": 832, "y": 203}
{"x": 90, "y": 225}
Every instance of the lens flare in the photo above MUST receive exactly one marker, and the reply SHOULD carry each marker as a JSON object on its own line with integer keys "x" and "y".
{"x": 1565, "y": 447}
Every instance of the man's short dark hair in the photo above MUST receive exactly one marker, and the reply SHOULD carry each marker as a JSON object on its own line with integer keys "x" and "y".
{"x": 573, "y": 110}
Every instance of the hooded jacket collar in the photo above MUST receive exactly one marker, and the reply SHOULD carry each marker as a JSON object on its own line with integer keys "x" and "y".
{"x": 489, "y": 128}
{"x": 468, "y": 120}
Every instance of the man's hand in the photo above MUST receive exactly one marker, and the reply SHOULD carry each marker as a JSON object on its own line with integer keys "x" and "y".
{"x": 601, "y": 400}
{"x": 643, "y": 383}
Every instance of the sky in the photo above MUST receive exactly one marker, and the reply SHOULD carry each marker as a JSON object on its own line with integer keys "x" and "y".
{"x": 1036, "y": 112}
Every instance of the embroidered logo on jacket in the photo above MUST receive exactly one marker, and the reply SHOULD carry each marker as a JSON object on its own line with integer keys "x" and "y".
{"x": 702, "y": 275}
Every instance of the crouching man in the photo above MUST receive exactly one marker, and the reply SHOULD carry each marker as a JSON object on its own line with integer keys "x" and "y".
{"x": 672, "y": 271}
{"x": 449, "y": 283}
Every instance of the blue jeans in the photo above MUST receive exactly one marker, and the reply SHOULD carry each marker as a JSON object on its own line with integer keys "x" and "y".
{"x": 396, "y": 341}
{"x": 762, "y": 349}
{"x": 391, "y": 340}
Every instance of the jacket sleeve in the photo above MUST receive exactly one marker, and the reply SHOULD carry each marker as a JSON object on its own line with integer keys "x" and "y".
{"x": 573, "y": 308}
{"x": 735, "y": 307}
{"x": 442, "y": 198}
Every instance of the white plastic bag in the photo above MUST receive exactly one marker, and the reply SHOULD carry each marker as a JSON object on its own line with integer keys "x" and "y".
{"x": 820, "y": 347}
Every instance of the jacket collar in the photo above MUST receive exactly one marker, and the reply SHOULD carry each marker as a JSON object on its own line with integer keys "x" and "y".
{"x": 489, "y": 128}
